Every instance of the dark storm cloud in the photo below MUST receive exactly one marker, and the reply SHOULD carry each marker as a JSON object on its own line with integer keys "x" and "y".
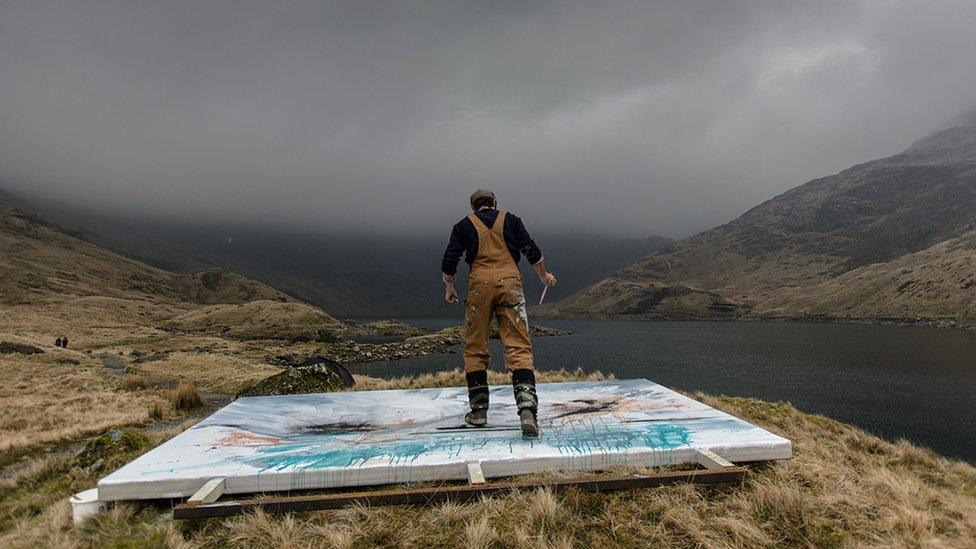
{"x": 631, "y": 117}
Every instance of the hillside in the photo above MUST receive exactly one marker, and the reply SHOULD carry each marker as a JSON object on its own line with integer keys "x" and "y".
{"x": 891, "y": 238}
{"x": 42, "y": 261}
{"x": 54, "y": 281}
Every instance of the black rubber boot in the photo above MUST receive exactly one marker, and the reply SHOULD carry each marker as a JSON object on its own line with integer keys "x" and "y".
{"x": 477, "y": 398}
{"x": 523, "y": 381}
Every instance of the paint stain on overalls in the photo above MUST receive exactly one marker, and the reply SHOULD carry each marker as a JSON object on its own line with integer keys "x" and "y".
{"x": 495, "y": 291}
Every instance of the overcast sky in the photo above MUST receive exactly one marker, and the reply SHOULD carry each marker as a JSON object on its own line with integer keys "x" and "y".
{"x": 633, "y": 118}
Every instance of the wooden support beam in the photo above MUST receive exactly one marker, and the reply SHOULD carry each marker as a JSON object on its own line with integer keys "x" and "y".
{"x": 711, "y": 460}
{"x": 208, "y": 493}
{"x": 475, "y": 474}
{"x": 453, "y": 492}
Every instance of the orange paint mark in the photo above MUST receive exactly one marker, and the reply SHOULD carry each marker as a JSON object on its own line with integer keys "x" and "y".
{"x": 244, "y": 438}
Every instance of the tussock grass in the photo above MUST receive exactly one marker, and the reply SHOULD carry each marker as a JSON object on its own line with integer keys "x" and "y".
{"x": 157, "y": 410}
{"x": 135, "y": 382}
{"x": 184, "y": 396}
{"x": 843, "y": 488}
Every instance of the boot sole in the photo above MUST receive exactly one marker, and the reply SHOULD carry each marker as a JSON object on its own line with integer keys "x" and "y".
{"x": 530, "y": 431}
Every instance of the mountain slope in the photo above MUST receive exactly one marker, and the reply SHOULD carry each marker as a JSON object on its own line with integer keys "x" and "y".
{"x": 43, "y": 261}
{"x": 894, "y": 237}
{"x": 53, "y": 281}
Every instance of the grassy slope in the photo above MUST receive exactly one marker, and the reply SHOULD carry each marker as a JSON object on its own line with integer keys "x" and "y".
{"x": 844, "y": 487}
{"x": 53, "y": 284}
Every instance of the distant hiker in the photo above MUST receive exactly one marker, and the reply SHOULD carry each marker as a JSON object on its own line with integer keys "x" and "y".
{"x": 57, "y": 342}
{"x": 492, "y": 243}
{"x": 64, "y": 342}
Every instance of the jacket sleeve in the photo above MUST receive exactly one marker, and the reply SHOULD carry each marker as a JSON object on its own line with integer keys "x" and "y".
{"x": 525, "y": 243}
{"x": 453, "y": 253}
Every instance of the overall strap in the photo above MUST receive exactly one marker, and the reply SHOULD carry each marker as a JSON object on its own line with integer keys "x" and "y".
{"x": 499, "y": 226}
{"x": 479, "y": 225}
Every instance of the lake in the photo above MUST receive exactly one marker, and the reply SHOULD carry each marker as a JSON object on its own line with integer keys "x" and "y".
{"x": 897, "y": 382}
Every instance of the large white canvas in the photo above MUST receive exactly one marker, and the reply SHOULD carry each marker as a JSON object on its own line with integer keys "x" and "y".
{"x": 330, "y": 440}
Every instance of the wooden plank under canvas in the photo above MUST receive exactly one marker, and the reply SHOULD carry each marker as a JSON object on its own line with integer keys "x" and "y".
{"x": 362, "y": 438}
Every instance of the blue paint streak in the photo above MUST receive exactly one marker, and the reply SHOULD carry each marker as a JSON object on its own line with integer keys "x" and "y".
{"x": 575, "y": 439}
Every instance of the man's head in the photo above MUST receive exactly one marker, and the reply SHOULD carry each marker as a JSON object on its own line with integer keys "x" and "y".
{"x": 482, "y": 198}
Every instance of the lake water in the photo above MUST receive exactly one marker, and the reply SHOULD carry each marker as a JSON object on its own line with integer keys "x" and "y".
{"x": 897, "y": 382}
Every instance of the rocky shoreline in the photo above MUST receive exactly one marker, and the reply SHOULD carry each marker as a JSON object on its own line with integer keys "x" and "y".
{"x": 446, "y": 341}
{"x": 948, "y": 323}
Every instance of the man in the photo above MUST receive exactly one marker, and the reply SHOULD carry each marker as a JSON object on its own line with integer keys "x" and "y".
{"x": 492, "y": 243}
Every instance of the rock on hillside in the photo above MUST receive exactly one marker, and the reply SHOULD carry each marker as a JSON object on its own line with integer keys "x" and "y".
{"x": 315, "y": 375}
{"x": 888, "y": 238}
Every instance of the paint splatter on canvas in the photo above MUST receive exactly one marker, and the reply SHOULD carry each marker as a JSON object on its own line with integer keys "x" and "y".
{"x": 380, "y": 437}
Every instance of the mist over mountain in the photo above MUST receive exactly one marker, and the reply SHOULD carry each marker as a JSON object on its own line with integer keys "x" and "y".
{"x": 363, "y": 275}
{"x": 890, "y": 238}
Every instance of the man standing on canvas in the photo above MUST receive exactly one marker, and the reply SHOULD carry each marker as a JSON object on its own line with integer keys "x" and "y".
{"x": 492, "y": 243}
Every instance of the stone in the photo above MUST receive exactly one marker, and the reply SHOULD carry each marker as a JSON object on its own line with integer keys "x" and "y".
{"x": 315, "y": 375}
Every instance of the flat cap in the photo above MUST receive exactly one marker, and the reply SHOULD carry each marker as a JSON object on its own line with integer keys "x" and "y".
{"x": 481, "y": 193}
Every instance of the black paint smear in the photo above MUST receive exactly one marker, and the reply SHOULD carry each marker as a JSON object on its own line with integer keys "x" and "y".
{"x": 591, "y": 406}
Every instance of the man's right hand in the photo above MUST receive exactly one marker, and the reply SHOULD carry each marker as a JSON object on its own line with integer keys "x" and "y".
{"x": 548, "y": 279}
{"x": 450, "y": 293}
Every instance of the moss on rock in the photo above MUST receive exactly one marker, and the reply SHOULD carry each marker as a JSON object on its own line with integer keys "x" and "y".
{"x": 316, "y": 375}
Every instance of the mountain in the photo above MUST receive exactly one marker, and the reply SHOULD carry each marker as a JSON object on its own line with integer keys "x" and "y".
{"x": 891, "y": 238}
{"x": 43, "y": 261}
{"x": 55, "y": 281}
{"x": 348, "y": 275}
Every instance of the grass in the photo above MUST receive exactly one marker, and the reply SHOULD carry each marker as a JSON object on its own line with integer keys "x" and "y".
{"x": 135, "y": 382}
{"x": 185, "y": 396}
{"x": 220, "y": 373}
{"x": 844, "y": 487}
{"x": 43, "y": 400}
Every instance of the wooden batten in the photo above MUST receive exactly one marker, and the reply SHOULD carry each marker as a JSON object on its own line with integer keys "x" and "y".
{"x": 454, "y": 492}
{"x": 208, "y": 493}
{"x": 711, "y": 460}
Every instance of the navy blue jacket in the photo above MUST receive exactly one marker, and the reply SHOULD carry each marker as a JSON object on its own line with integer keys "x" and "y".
{"x": 464, "y": 240}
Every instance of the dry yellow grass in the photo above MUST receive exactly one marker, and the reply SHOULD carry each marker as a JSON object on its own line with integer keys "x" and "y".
{"x": 223, "y": 373}
{"x": 184, "y": 396}
{"x": 87, "y": 321}
{"x": 43, "y": 400}
{"x": 157, "y": 410}
{"x": 135, "y": 382}
{"x": 260, "y": 320}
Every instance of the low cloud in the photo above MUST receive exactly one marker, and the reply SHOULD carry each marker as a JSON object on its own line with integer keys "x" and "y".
{"x": 631, "y": 118}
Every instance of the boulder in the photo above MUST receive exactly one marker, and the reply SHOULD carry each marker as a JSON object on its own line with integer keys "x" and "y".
{"x": 315, "y": 375}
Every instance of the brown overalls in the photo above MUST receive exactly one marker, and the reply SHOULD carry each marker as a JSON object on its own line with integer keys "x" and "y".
{"x": 495, "y": 289}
